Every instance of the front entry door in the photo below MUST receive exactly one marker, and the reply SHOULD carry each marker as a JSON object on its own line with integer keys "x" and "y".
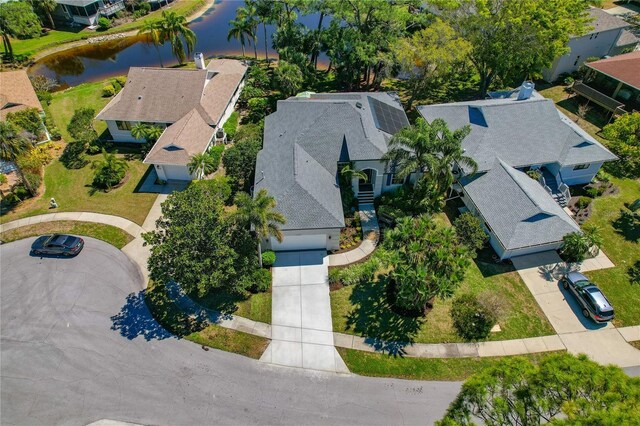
{"x": 368, "y": 184}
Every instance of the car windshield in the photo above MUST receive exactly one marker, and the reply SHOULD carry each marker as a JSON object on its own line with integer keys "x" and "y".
{"x": 62, "y": 240}
{"x": 599, "y": 300}
{"x": 582, "y": 283}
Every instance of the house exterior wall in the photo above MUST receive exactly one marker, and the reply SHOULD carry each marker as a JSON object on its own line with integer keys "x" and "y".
{"x": 332, "y": 237}
{"x": 124, "y": 135}
{"x": 508, "y": 254}
{"x": 581, "y": 176}
{"x": 376, "y": 165}
{"x": 232, "y": 104}
{"x": 595, "y": 44}
{"x": 173, "y": 172}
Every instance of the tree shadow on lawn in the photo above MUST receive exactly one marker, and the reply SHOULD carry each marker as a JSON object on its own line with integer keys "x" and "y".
{"x": 628, "y": 226}
{"x": 374, "y": 318}
{"x": 224, "y": 302}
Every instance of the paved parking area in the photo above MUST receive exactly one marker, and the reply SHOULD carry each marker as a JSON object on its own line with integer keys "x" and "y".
{"x": 301, "y": 330}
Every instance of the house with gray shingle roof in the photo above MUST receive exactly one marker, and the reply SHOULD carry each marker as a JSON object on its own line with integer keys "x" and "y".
{"x": 607, "y": 34}
{"x": 306, "y": 142}
{"x": 519, "y": 131}
{"x": 191, "y": 105}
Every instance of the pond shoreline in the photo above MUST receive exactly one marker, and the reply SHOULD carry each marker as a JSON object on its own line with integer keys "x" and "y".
{"x": 131, "y": 33}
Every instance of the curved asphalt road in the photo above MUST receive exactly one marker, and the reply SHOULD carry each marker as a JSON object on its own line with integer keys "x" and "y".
{"x": 79, "y": 345}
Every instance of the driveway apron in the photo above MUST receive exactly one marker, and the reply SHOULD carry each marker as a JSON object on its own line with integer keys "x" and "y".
{"x": 302, "y": 331}
{"x": 541, "y": 272}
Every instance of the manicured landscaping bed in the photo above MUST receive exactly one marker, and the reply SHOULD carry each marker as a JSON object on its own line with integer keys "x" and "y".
{"x": 110, "y": 234}
{"x": 178, "y": 323}
{"x": 381, "y": 365}
{"x": 72, "y": 190}
{"x": 57, "y": 37}
{"x": 621, "y": 244}
{"x": 364, "y": 310}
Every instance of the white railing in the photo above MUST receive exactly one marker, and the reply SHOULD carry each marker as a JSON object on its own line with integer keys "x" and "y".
{"x": 108, "y": 10}
{"x": 565, "y": 191}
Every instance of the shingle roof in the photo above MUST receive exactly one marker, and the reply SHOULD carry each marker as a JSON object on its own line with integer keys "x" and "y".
{"x": 165, "y": 95}
{"x": 522, "y": 133}
{"x": 603, "y": 21}
{"x": 625, "y": 68}
{"x": 303, "y": 142}
{"x": 188, "y": 136}
{"x": 532, "y": 217}
{"x": 16, "y": 93}
{"x": 627, "y": 38}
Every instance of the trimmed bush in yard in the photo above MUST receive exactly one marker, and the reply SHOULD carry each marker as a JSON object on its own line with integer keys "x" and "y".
{"x": 472, "y": 319}
{"x": 268, "y": 258}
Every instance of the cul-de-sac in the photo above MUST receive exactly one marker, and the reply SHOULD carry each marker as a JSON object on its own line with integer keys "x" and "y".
{"x": 341, "y": 212}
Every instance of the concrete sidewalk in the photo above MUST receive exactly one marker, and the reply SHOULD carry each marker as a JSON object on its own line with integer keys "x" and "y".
{"x": 370, "y": 235}
{"x": 302, "y": 330}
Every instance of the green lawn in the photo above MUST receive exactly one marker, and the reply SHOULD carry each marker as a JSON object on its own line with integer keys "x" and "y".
{"x": 72, "y": 191}
{"x": 64, "y": 103}
{"x": 110, "y": 234}
{"x": 57, "y": 37}
{"x": 178, "y": 323}
{"x": 363, "y": 310}
{"x": 381, "y": 365}
{"x": 255, "y": 306}
{"x": 621, "y": 244}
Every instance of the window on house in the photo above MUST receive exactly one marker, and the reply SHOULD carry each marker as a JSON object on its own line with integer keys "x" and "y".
{"x": 581, "y": 166}
{"x": 576, "y": 62}
{"x": 397, "y": 180}
{"x": 124, "y": 125}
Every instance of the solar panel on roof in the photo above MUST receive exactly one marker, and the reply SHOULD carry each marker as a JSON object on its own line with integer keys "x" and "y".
{"x": 388, "y": 118}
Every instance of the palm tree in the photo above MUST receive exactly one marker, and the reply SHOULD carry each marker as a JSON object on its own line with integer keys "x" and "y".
{"x": 152, "y": 30}
{"x": 260, "y": 214}
{"x": 240, "y": 30}
{"x": 265, "y": 11}
{"x": 349, "y": 173}
{"x": 175, "y": 29}
{"x": 12, "y": 145}
{"x": 430, "y": 149}
{"x": 110, "y": 170}
{"x": 139, "y": 131}
{"x": 248, "y": 14}
{"x": 48, "y": 6}
{"x": 202, "y": 164}
{"x": 6, "y": 41}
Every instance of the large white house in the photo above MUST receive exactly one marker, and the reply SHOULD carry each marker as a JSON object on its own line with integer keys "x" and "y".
{"x": 308, "y": 140}
{"x": 191, "y": 104}
{"x": 609, "y": 36}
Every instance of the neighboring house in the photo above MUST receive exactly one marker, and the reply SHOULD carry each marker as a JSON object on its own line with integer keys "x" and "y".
{"x": 510, "y": 134}
{"x": 87, "y": 12}
{"x": 604, "y": 39}
{"x": 17, "y": 93}
{"x": 615, "y": 81}
{"x": 306, "y": 143}
{"x": 192, "y": 104}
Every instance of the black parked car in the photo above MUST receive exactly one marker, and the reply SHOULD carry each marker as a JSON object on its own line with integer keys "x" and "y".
{"x": 594, "y": 304}
{"x": 57, "y": 244}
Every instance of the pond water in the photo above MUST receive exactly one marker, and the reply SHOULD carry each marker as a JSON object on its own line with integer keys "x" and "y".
{"x": 95, "y": 62}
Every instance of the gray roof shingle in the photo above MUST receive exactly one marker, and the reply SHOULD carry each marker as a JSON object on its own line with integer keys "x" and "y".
{"x": 603, "y": 21}
{"x": 532, "y": 217}
{"x": 522, "y": 133}
{"x": 303, "y": 142}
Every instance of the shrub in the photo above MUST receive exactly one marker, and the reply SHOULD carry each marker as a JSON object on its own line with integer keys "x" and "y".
{"x": 108, "y": 91}
{"x": 568, "y": 80}
{"x": 577, "y": 245}
{"x": 251, "y": 131}
{"x": 119, "y": 82}
{"x": 34, "y": 159}
{"x": 634, "y": 273}
{"x": 258, "y": 109}
{"x": 215, "y": 152}
{"x": 55, "y": 134}
{"x": 624, "y": 140}
{"x": 261, "y": 281}
{"x": 109, "y": 170}
{"x": 583, "y": 202}
{"x": 240, "y": 160}
{"x": 268, "y": 258}
{"x": 28, "y": 119}
{"x": 471, "y": 318}
{"x": 3, "y": 179}
{"x": 249, "y": 92}
{"x": 104, "y": 23}
{"x": 534, "y": 174}
{"x": 80, "y": 126}
{"x": 358, "y": 273}
{"x": 259, "y": 77}
{"x": 44, "y": 97}
{"x": 34, "y": 179}
{"x": 144, "y": 8}
{"x": 334, "y": 275}
{"x": 469, "y": 232}
{"x": 73, "y": 156}
{"x": 95, "y": 147}
{"x": 231, "y": 126}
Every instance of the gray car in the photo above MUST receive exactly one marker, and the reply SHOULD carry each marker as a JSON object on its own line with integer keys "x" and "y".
{"x": 57, "y": 244}
{"x": 592, "y": 301}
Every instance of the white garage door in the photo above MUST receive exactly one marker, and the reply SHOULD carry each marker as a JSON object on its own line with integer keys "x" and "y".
{"x": 177, "y": 172}
{"x": 300, "y": 242}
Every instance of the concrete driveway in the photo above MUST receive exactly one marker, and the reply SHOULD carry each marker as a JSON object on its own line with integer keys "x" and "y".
{"x": 542, "y": 272}
{"x": 301, "y": 327}
{"x": 78, "y": 345}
